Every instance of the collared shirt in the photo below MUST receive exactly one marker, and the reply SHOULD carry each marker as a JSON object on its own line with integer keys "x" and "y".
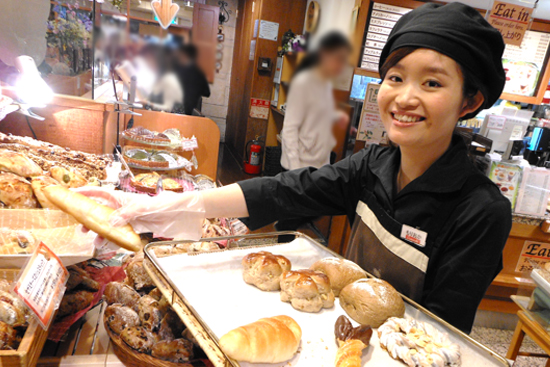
{"x": 468, "y": 254}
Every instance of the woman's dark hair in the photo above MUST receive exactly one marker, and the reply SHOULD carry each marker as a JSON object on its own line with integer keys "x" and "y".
{"x": 470, "y": 86}
{"x": 332, "y": 41}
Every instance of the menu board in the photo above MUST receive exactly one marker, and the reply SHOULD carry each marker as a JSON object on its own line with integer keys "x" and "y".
{"x": 382, "y": 19}
{"x": 524, "y": 64}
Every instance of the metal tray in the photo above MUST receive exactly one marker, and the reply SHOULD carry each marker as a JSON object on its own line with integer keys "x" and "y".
{"x": 209, "y": 340}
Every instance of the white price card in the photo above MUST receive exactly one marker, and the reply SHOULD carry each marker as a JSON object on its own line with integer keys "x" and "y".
{"x": 41, "y": 284}
{"x": 189, "y": 144}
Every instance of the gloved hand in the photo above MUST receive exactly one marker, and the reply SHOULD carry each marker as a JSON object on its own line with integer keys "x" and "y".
{"x": 168, "y": 214}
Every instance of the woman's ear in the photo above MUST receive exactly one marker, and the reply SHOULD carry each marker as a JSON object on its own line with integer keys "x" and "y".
{"x": 471, "y": 104}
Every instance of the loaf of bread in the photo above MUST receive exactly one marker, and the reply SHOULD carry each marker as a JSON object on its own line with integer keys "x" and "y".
{"x": 264, "y": 270}
{"x": 341, "y": 272}
{"x": 93, "y": 216}
{"x": 270, "y": 340}
{"x": 371, "y": 302}
{"x": 306, "y": 290}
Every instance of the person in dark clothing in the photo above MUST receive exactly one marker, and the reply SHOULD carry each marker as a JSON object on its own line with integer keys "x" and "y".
{"x": 191, "y": 77}
{"x": 424, "y": 218}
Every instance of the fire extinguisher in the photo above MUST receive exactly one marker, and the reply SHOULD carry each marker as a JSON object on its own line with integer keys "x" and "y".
{"x": 253, "y": 159}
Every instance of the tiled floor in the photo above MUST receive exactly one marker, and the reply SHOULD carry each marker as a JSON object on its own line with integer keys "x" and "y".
{"x": 499, "y": 341}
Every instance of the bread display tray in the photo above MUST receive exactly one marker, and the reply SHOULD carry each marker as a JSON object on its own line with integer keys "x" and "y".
{"x": 32, "y": 342}
{"x": 208, "y": 293}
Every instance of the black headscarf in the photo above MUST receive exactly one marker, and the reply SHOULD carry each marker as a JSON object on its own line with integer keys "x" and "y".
{"x": 459, "y": 32}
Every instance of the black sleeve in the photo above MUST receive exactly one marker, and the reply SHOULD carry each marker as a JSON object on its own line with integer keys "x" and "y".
{"x": 307, "y": 192}
{"x": 469, "y": 261}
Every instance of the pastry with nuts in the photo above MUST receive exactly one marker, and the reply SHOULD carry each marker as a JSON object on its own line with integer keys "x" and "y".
{"x": 306, "y": 290}
{"x": 264, "y": 270}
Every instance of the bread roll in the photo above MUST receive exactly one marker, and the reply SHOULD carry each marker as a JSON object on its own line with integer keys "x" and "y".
{"x": 341, "y": 272}
{"x": 270, "y": 340}
{"x": 306, "y": 290}
{"x": 371, "y": 302}
{"x": 264, "y": 270}
{"x": 93, "y": 216}
{"x": 38, "y": 184}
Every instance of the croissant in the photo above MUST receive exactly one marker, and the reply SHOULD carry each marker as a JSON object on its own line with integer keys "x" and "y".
{"x": 270, "y": 340}
{"x": 351, "y": 342}
{"x": 349, "y": 353}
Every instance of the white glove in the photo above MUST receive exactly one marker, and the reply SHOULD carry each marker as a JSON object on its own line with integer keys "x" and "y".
{"x": 168, "y": 214}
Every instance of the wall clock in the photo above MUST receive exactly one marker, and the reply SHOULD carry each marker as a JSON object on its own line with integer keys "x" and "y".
{"x": 312, "y": 16}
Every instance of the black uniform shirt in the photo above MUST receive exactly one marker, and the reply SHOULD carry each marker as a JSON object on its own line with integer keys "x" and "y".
{"x": 468, "y": 251}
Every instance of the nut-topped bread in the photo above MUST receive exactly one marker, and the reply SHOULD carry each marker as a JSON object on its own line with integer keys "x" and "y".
{"x": 306, "y": 290}
{"x": 264, "y": 270}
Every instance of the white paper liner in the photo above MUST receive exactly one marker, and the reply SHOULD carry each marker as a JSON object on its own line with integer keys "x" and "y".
{"x": 212, "y": 283}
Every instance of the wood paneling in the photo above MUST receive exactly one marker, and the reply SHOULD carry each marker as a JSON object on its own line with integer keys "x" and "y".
{"x": 246, "y": 81}
{"x": 204, "y": 35}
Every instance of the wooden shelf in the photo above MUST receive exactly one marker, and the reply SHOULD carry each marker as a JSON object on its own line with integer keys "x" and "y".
{"x": 278, "y": 111}
{"x": 508, "y": 280}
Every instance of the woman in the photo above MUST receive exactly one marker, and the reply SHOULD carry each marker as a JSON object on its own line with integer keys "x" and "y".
{"x": 424, "y": 218}
{"x": 166, "y": 91}
{"x": 311, "y": 113}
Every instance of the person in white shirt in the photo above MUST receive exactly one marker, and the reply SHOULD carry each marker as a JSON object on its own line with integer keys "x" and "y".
{"x": 166, "y": 93}
{"x": 307, "y": 138}
{"x": 307, "y": 135}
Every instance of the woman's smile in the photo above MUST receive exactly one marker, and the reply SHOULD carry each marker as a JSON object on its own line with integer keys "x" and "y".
{"x": 405, "y": 119}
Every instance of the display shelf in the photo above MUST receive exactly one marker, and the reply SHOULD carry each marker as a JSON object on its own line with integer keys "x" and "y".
{"x": 146, "y": 168}
{"x": 170, "y": 145}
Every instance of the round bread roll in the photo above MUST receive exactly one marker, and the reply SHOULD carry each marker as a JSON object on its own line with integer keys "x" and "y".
{"x": 371, "y": 302}
{"x": 341, "y": 272}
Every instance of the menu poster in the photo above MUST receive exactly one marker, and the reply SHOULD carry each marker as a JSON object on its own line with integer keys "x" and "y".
{"x": 382, "y": 19}
{"x": 523, "y": 64}
{"x": 507, "y": 177}
{"x": 371, "y": 129}
{"x": 534, "y": 192}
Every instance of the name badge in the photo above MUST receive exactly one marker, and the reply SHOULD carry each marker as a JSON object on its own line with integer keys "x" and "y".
{"x": 414, "y": 235}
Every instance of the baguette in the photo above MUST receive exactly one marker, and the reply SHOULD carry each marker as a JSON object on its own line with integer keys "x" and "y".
{"x": 93, "y": 216}
{"x": 270, "y": 340}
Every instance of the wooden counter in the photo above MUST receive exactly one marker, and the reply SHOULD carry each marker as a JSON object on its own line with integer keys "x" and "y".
{"x": 508, "y": 282}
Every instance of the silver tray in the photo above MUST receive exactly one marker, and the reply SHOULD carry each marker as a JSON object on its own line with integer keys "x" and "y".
{"x": 193, "y": 315}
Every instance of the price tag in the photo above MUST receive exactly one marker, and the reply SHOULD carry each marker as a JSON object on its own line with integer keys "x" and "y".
{"x": 41, "y": 284}
{"x": 190, "y": 144}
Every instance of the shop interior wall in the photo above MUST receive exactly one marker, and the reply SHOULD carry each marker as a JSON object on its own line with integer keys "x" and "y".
{"x": 246, "y": 81}
{"x": 335, "y": 15}
{"x": 215, "y": 107}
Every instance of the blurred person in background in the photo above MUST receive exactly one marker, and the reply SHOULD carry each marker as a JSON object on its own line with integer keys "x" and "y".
{"x": 194, "y": 82}
{"x": 166, "y": 91}
{"x": 307, "y": 135}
